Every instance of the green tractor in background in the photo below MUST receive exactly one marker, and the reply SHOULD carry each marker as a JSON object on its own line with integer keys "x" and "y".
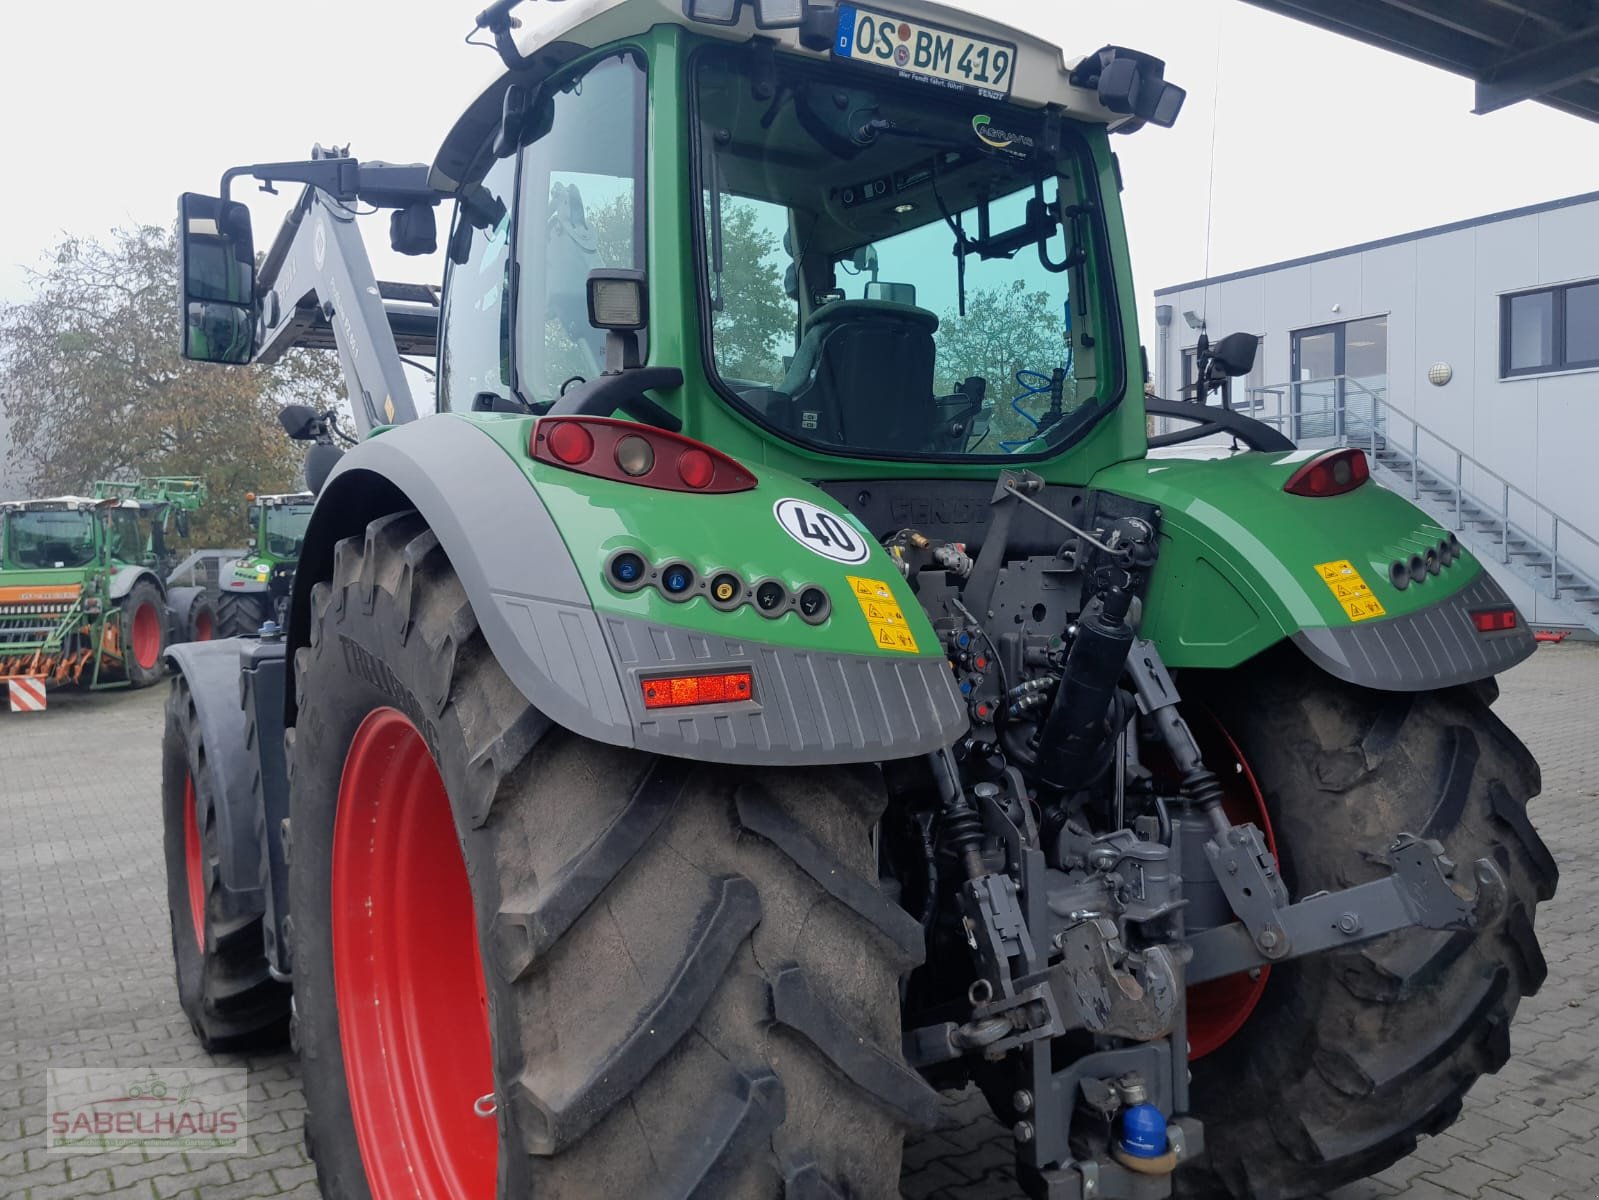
{"x": 255, "y": 589}
{"x": 780, "y": 686}
{"x": 84, "y": 589}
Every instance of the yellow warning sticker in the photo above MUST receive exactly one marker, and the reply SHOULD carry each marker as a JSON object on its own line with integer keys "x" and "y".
{"x": 1350, "y": 590}
{"x": 885, "y": 618}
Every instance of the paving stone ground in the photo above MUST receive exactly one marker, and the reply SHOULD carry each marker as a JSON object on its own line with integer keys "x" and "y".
{"x": 85, "y": 978}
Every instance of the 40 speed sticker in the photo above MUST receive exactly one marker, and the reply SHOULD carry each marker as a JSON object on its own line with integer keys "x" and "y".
{"x": 820, "y": 531}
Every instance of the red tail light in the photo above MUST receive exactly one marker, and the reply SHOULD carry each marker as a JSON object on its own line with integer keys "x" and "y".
{"x": 632, "y": 453}
{"x": 1494, "y": 620}
{"x": 676, "y": 691}
{"x": 1330, "y": 474}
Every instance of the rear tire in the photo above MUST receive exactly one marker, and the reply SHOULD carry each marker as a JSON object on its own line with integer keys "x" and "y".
{"x": 224, "y": 988}
{"x": 690, "y": 975}
{"x": 1351, "y": 1055}
{"x": 142, "y": 633}
{"x": 202, "y": 623}
{"x": 240, "y": 614}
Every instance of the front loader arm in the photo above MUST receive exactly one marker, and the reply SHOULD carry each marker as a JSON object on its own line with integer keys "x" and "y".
{"x": 316, "y": 286}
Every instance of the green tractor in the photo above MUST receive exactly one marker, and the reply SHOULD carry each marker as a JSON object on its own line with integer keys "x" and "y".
{"x": 779, "y": 686}
{"x": 83, "y": 590}
{"x": 255, "y": 589}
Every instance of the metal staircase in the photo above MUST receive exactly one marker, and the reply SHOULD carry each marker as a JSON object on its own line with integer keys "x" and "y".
{"x": 1497, "y": 520}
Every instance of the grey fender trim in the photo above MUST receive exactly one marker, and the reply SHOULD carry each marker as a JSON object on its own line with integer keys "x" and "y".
{"x": 1435, "y": 647}
{"x": 211, "y": 670}
{"x": 582, "y": 670}
{"x": 511, "y": 559}
{"x": 122, "y": 582}
{"x": 248, "y": 587}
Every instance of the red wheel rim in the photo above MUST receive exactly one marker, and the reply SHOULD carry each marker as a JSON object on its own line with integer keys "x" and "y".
{"x": 407, "y": 974}
{"x": 146, "y": 635}
{"x": 203, "y": 627}
{"x": 1218, "y": 1009}
{"x": 193, "y": 865}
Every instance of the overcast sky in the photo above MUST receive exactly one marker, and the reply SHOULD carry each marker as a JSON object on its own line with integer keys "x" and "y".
{"x": 111, "y": 108}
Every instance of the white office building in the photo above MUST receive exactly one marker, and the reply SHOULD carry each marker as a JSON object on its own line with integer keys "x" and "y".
{"x": 1466, "y": 357}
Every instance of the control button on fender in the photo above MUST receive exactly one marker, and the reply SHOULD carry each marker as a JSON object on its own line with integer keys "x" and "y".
{"x": 769, "y": 597}
{"x": 676, "y": 579}
{"x": 813, "y": 603}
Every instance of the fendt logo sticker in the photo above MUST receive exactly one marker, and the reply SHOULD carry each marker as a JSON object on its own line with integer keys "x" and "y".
{"x": 820, "y": 532}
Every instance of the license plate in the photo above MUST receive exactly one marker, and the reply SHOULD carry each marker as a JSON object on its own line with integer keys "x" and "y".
{"x": 926, "y": 53}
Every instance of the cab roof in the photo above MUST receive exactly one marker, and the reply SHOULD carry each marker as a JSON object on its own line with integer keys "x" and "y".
{"x": 561, "y": 33}
{"x": 63, "y": 503}
{"x": 285, "y": 498}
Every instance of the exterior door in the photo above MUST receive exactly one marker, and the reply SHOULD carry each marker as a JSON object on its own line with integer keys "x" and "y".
{"x": 1317, "y": 366}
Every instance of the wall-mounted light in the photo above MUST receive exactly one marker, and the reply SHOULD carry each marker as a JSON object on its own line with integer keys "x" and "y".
{"x": 1195, "y": 321}
{"x": 1439, "y": 374}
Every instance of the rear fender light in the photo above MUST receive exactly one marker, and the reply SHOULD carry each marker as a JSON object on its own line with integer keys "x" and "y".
{"x": 628, "y": 452}
{"x": 1330, "y": 474}
{"x": 1494, "y": 620}
{"x": 681, "y": 691}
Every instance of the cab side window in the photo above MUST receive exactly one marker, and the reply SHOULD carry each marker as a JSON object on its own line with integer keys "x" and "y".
{"x": 582, "y": 207}
{"x": 475, "y": 355}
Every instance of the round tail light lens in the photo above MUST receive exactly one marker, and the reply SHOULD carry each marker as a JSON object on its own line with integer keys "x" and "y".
{"x": 634, "y": 455}
{"x": 695, "y": 468}
{"x": 571, "y": 443}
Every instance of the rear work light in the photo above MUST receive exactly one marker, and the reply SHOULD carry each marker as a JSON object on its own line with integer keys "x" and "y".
{"x": 632, "y": 453}
{"x": 1494, "y": 620}
{"x": 1330, "y": 474}
{"x": 679, "y": 691}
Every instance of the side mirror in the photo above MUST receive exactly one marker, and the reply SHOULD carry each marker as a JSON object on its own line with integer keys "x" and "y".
{"x": 301, "y": 422}
{"x": 216, "y": 267}
{"x": 1235, "y": 354}
{"x": 181, "y": 522}
{"x": 526, "y": 115}
{"x": 249, "y": 544}
{"x": 897, "y": 293}
{"x": 319, "y": 463}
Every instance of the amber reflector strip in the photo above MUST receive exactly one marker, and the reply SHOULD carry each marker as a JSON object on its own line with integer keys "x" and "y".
{"x": 675, "y": 691}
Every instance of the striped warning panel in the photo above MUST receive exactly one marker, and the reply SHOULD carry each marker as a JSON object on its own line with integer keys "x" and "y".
{"x": 27, "y": 694}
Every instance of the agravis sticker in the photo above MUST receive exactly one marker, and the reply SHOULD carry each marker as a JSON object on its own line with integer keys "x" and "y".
{"x": 1350, "y": 590}
{"x": 890, "y": 629}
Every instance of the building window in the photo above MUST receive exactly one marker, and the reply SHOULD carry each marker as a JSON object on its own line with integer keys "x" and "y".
{"x": 1553, "y": 329}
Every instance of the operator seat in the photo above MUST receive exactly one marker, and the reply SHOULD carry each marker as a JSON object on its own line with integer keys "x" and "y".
{"x": 862, "y": 376}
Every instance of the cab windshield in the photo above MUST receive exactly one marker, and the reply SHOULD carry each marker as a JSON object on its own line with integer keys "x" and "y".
{"x": 47, "y": 539}
{"x": 285, "y": 529}
{"x": 896, "y": 271}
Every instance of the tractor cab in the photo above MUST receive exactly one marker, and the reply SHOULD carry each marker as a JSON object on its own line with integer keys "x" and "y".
{"x": 58, "y": 534}
{"x": 882, "y": 238}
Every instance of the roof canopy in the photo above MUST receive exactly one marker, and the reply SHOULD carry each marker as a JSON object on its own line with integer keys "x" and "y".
{"x": 1544, "y": 50}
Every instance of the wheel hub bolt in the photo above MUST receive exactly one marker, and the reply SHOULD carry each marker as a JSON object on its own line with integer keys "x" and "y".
{"x": 1023, "y": 1131}
{"x": 1022, "y": 1101}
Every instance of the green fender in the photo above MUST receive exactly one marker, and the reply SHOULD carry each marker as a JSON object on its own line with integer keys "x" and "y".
{"x": 1244, "y": 565}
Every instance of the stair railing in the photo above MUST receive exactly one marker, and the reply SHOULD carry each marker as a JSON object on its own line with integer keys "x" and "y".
{"x": 1378, "y": 437}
